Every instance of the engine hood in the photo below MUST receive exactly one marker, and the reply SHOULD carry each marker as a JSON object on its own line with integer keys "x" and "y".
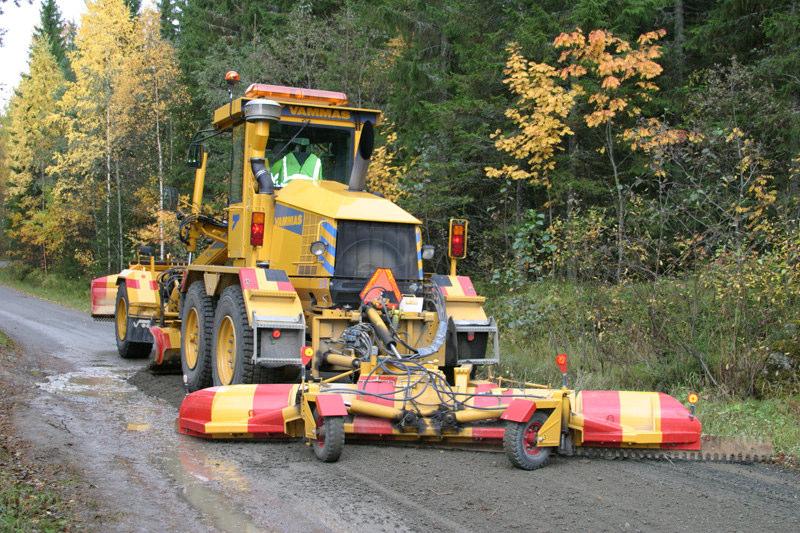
{"x": 332, "y": 199}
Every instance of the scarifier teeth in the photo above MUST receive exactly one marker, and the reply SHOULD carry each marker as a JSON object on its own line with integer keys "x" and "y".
{"x": 714, "y": 449}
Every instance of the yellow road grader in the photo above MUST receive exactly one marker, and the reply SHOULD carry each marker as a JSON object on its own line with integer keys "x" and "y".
{"x": 305, "y": 312}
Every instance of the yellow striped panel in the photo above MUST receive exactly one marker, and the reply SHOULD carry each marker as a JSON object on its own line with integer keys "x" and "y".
{"x": 231, "y": 408}
{"x": 640, "y": 417}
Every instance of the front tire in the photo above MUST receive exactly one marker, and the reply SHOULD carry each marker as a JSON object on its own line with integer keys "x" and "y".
{"x": 122, "y": 326}
{"x": 197, "y": 322}
{"x": 520, "y": 443}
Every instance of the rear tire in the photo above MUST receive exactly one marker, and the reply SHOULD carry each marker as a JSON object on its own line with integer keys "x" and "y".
{"x": 197, "y": 321}
{"x": 232, "y": 345}
{"x": 330, "y": 443}
{"x": 521, "y": 446}
{"x": 123, "y": 324}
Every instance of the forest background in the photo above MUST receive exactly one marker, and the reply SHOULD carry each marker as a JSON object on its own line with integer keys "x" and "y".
{"x": 629, "y": 167}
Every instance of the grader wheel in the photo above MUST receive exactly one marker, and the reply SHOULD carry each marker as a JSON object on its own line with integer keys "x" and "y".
{"x": 122, "y": 324}
{"x": 196, "y": 331}
{"x": 233, "y": 342}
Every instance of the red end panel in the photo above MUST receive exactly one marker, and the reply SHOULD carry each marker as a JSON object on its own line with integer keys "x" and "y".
{"x": 247, "y": 278}
{"x": 519, "y": 410}
{"x": 466, "y": 286}
{"x": 601, "y": 417}
{"x": 331, "y": 405}
{"x": 195, "y": 412}
{"x": 268, "y": 404}
{"x": 679, "y": 429}
{"x": 132, "y": 283}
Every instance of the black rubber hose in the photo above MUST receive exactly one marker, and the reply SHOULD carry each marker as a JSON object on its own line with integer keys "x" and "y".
{"x": 262, "y": 175}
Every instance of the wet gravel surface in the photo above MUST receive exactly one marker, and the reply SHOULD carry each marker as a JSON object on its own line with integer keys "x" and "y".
{"x": 114, "y": 422}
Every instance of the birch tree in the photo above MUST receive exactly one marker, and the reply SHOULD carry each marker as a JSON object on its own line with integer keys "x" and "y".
{"x": 101, "y": 43}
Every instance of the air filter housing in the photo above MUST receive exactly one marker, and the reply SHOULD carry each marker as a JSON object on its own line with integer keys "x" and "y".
{"x": 261, "y": 109}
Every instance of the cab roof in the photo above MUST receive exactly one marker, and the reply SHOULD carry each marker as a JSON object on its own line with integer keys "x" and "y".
{"x": 327, "y": 108}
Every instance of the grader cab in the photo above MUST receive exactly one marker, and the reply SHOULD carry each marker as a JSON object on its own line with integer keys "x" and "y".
{"x": 302, "y": 255}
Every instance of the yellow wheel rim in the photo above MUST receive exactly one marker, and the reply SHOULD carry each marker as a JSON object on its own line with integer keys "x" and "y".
{"x": 122, "y": 319}
{"x": 226, "y": 351}
{"x": 191, "y": 345}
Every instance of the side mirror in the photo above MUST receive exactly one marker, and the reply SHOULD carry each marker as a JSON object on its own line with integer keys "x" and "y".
{"x": 194, "y": 157}
{"x": 428, "y": 251}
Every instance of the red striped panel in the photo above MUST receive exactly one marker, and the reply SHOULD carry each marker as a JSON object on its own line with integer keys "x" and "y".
{"x": 285, "y": 286}
{"x": 487, "y": 432}
{"x": 268, "y": 404}
{"x": 195, "y": 412}
{"x": 132, "y": 283}
{"x": 601, "y": 417}
{"x": 154, "y": 285}
{"x": 381, "y": 385}
{"x": 247, "y": 278}
{"x": 466, "y": 286}
{"x": 678, "y": 430}
{"x": 369, "y": 425}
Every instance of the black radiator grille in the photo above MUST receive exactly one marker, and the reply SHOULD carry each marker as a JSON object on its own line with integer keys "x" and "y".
{"x": 361, "y": 247}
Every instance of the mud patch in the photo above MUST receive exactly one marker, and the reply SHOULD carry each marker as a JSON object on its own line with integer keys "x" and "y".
{"x": 165, "y": 387}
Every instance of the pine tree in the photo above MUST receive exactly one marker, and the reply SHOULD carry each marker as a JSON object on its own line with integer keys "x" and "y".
{"x": 168, "y": 12}
{"x": 52, "y": 26}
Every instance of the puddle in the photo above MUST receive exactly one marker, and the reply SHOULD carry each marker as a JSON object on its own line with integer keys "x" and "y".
{"x": 193, "y": 472}
{"x": 90, "y": 382}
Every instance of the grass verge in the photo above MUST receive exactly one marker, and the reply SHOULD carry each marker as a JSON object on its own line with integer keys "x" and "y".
{"x": 654, "y": 337}
{"x": 29, "y": 498}
{"x": 71, "y": 292}
{"x": 776, "y": 419}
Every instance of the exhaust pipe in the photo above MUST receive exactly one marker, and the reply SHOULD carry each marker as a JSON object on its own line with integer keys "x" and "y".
{"x": 358, "y": 176}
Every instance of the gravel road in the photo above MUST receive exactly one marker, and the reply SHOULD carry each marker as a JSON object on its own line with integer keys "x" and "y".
{"x": 113, "y": 424}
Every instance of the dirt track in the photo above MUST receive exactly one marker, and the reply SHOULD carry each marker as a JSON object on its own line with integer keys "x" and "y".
{"x": 113, "y": 424}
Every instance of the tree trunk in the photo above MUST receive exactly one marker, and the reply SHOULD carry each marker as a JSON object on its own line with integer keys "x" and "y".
{"x": 119, "y": 215}
{"x": 680, "y": 39}
{"x": 620, "y": 200}
{"x": 160, "y": 174}
{"x": 108, "y": 188}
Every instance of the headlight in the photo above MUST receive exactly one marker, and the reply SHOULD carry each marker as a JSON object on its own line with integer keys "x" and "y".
{"x": 427, "y": 252}
{"x": 318, "y": 248}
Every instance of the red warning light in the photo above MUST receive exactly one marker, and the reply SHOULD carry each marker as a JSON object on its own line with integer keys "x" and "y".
{"x": 276, "y": 334}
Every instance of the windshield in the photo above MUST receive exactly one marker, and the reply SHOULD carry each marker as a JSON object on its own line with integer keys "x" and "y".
{"x": 333, "y": 147}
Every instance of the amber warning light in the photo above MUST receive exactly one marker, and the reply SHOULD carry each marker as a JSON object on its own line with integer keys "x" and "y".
{"x": 262, "y": 90}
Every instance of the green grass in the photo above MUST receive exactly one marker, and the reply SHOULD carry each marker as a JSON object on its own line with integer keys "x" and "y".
{"x": 71, "y": 292}
{"x": 28, "y": 503}
{"x": 5, "y": 342}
